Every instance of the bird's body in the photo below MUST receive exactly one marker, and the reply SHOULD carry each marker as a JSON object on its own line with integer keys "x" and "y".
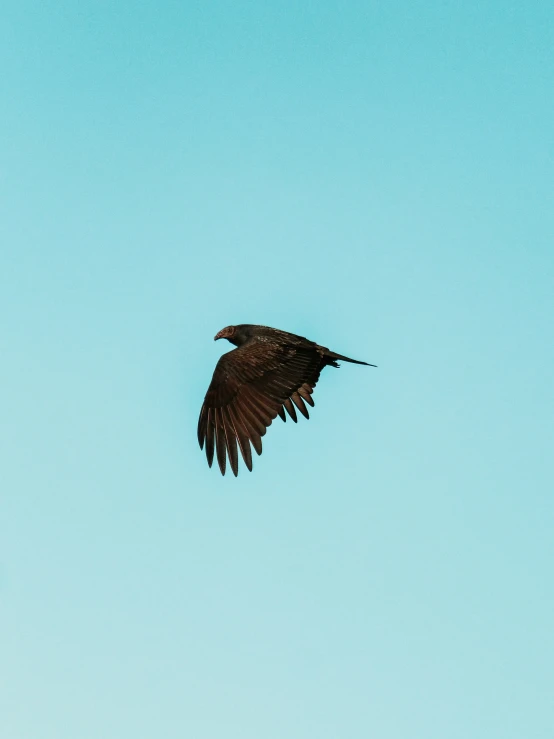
{"x": 269, "y": 372}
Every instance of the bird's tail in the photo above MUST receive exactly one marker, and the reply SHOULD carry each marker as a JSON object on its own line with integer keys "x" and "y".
{"x": 334, "y": 356}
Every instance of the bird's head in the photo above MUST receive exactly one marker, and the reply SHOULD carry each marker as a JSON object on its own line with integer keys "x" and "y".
{"x": 237, "y": 335}
{"x": 229, "y": 333}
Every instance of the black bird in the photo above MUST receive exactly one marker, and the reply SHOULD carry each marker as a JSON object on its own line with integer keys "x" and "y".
{"x": 269, "y": 372}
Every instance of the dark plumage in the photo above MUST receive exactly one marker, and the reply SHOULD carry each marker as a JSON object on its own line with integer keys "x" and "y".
{"x": 269, "y": 372}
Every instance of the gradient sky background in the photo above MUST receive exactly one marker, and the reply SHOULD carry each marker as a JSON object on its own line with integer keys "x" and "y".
{"x": 376, "y": 176}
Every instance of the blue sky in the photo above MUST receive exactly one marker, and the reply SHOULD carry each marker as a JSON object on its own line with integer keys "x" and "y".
{"x": 375, "y": 176}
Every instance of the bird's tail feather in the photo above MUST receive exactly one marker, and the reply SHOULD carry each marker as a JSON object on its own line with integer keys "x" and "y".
{"x": 334, "y": 355}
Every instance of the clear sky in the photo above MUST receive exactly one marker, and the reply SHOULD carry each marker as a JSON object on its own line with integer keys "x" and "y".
{"x": 377, "y": 176}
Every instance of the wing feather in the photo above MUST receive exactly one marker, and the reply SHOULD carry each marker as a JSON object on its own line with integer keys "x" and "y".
{"x": 220, "y": 442}
{"x": 202, "y": 426}
{"x": 299, "y": 403}
{"x": 304, "y": 393}
{"x": 242, "y": 436}
{"x": 210, "y": 432}
{"x": 260, "y": 419}
{"x": 230, "y": 441}
{"x": 251, "y": 386}
{"x": 290, "y": 409}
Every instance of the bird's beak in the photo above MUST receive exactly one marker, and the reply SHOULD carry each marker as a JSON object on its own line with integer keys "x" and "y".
{"x": 217, "y": 336}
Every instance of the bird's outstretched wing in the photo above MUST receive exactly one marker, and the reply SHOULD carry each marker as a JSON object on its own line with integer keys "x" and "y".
{"x": 251, "y": 385}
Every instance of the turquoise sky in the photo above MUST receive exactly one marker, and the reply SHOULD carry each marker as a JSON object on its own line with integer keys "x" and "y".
{"x": 376, "y": 176}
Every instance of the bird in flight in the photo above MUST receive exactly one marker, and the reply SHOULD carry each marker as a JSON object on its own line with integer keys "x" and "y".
{"x": 268, "y": 373}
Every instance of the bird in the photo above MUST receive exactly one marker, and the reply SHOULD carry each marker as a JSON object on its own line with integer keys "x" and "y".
{"x": 269, "y": 372}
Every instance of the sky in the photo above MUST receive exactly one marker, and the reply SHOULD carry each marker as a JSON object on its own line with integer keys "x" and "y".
{"x": 376, "y": 176}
